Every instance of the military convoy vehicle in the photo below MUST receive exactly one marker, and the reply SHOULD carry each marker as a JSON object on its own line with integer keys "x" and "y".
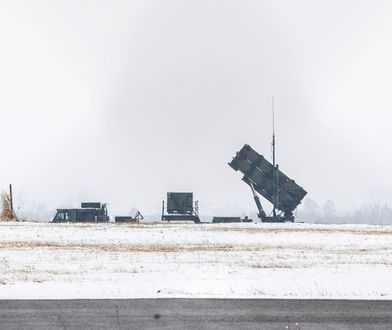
{"x": 88, "y": 212}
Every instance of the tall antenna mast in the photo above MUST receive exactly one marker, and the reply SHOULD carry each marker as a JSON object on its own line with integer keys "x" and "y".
{"x": 273, "y": 132}
{"x": 274, "y": 176}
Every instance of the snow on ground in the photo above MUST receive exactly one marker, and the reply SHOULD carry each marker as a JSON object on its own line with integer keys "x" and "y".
{"x": 61, "y": 261}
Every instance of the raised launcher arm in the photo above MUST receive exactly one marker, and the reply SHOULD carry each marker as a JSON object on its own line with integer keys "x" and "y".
{"x": 270, "y": 183}
{"x": 261, "y": 214}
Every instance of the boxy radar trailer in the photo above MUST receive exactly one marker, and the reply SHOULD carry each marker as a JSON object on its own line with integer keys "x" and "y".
{"x": 180, "y": 207}
{"x": 267, "y": 180}
{"x": 89, "y": 212}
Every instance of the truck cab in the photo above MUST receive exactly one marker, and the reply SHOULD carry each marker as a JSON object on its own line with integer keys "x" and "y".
{"x": 89, "y": 212}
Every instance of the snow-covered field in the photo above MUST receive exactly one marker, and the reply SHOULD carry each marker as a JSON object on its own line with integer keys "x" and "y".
{"x": 48, "y": 261}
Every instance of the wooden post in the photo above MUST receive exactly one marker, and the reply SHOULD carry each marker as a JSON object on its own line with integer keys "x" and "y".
{"x": 11, "y": 203}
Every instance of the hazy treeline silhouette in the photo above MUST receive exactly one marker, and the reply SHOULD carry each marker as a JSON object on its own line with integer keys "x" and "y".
{"x": 312, "y": 212}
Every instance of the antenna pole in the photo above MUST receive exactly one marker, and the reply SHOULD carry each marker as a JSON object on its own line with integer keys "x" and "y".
{"x": 274, "y": 186}
{"x": 11, "y": 203}
{"x": 273, "y": 132}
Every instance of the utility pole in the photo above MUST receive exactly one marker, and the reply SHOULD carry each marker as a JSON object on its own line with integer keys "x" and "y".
{"x": 11, "y": 203}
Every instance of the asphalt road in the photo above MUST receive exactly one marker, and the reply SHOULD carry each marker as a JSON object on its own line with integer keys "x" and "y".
{"x": 195, "y": 314}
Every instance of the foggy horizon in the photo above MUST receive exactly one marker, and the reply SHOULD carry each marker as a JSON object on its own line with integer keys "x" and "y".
{"x": 122, "y": 103}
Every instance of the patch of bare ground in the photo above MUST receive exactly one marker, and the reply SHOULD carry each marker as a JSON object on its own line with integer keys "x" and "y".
{"x": 147, "y": 247}
{"x": 177, "y": 248}
{"x": 268, "y": 265}
{"x": 253, "y": 228}
{"x": 119, "y": 247}
{"x": 381, "y": 230}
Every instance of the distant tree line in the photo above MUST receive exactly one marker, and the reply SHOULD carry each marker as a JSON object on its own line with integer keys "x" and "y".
{"x": 312, "y": 212}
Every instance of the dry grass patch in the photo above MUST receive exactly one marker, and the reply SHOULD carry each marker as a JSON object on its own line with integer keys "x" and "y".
{"x": 266, "y": 265}
{"x": 6, "y": 214}
{"x": 109, "y": 247}
{"x": 199, "y": 247}
{"x": 259, "y": 229}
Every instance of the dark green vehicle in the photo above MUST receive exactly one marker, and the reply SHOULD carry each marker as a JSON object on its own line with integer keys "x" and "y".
{"x": 89, "y": 212}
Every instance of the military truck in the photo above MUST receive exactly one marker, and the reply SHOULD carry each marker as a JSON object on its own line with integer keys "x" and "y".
{"x": 88, "y": 212}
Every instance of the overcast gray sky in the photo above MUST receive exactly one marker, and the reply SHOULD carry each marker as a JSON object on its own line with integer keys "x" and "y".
{"x": 122, "y": 101}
